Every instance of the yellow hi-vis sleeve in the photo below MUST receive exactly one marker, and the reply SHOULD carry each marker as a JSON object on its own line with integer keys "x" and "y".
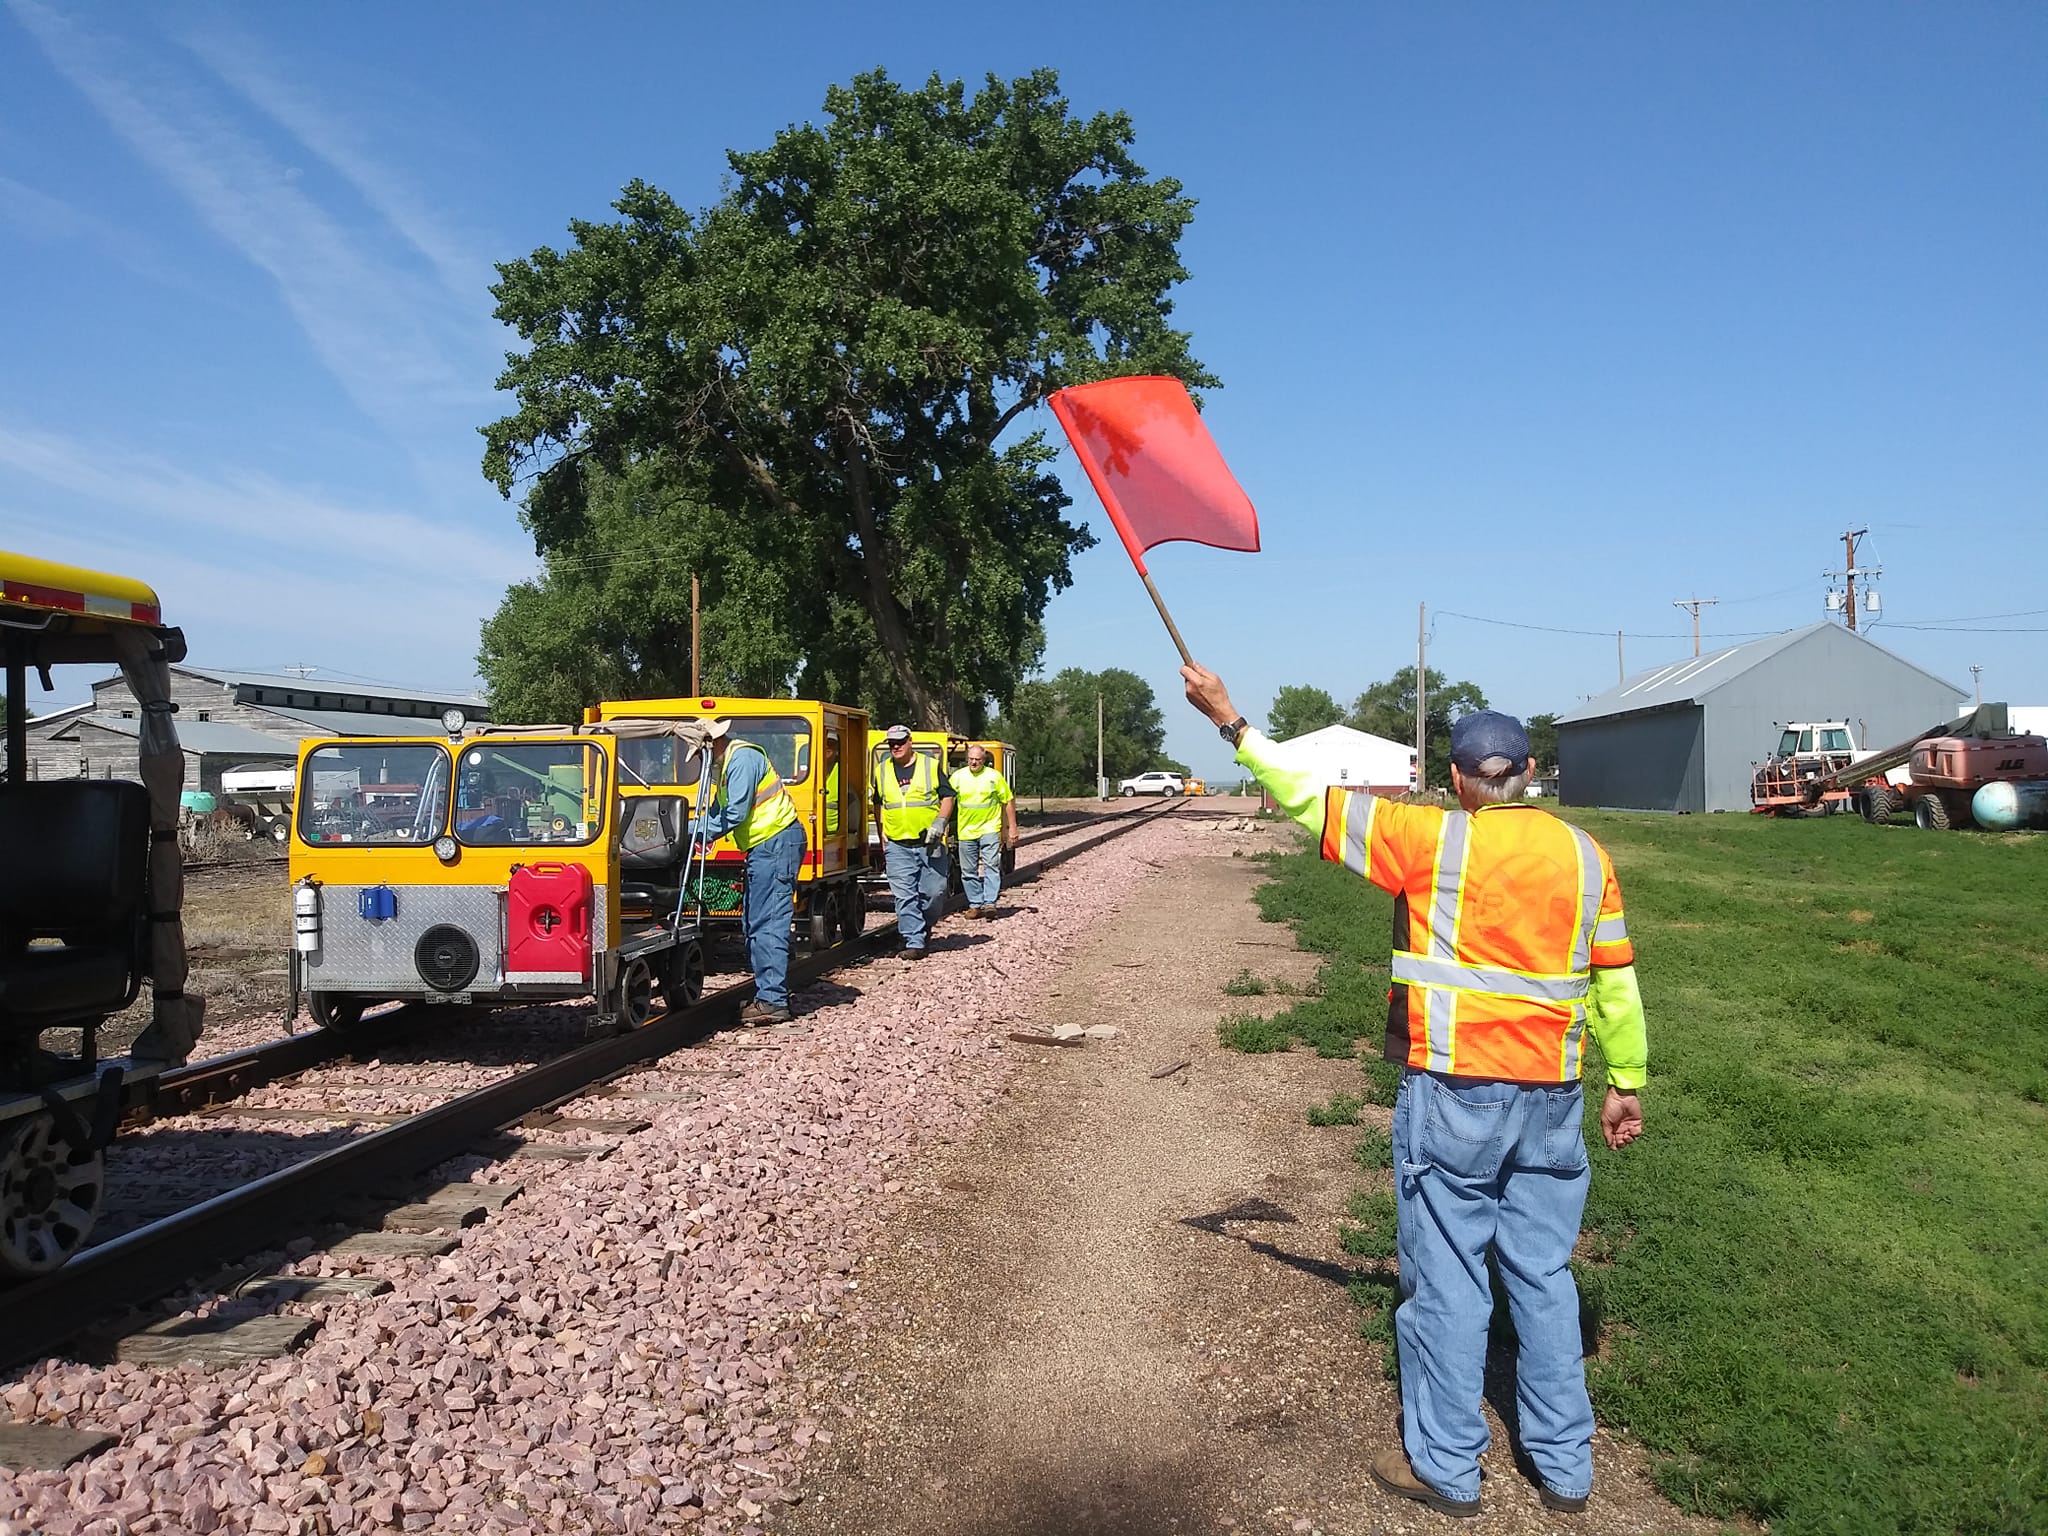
{"x": 1615, "y": 1010}
{"x": 1294, "y": 786}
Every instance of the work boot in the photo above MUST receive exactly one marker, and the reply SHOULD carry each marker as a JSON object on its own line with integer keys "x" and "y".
{"x": 1558, "y": 1501}
{"x": 1391, "y": 1471}
{"x": 757, "y": 1015}
{"x": 913, "y": 951}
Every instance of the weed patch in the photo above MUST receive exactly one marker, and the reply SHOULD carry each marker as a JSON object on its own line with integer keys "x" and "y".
{"x": 1244, "y": 984}
{"x": 1342, "y": 1109}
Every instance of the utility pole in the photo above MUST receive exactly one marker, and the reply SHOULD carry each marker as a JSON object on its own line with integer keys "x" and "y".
{"x": 1620, "y": 667}
{"x": 1694, "y": 605}
{"x": 1849, "y": 573}
{"x": 1101, "y": 780}
{"x": 696, "y": 674}
{"x": 1421, "y": 696}
{"x": 1977, "y": 681}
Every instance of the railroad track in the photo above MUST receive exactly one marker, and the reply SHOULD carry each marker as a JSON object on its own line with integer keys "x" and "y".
{"x": 137, "y": 1267}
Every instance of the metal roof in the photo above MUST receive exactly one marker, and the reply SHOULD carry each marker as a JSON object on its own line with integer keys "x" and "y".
{"x": 357, "y": 722}
{"x": 205, "y": 736}
{"x": 470, "y": 702}
{"x": 1691, "y": 680}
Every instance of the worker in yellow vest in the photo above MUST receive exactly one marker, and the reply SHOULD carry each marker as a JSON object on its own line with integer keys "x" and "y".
{"x": 1509, "y": 947}
{"x": 986, "y": 825}
{"x": 915, "y": 806}
{"x": 747, "y": 799}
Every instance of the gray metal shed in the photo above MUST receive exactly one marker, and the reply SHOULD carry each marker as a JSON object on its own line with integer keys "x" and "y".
{"x": 1684, "y": 737}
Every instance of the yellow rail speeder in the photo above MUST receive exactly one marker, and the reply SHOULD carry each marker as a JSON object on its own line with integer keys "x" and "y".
{"x": 815, "y": 749}
{"x": 481, "y": 868}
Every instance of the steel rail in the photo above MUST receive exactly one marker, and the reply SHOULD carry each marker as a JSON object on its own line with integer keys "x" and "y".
{"x": 141, "y": 1265}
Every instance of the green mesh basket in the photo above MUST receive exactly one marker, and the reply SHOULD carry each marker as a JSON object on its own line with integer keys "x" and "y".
{"x": 722, "y": 895}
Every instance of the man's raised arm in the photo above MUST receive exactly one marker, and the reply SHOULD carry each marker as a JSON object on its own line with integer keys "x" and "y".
{"x": 1293, "y": 786}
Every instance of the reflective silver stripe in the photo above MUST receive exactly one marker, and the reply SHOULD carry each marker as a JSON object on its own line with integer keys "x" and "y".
{"x": 1358, "y": 830}
{"x": 1589, "y": 898}
{"x": 1574, "y": 1044}
{"x": 1439, "y": 1004}
{"x": 1610, "y": 930}
{"x": 1451, "y": 976}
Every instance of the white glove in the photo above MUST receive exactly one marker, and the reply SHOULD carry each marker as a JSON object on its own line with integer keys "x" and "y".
{"x": 935, "y": 838}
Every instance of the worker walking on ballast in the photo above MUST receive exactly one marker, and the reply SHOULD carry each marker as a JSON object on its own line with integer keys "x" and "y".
{"x": 746, "y": 798}
{"x": 915, "y": 809}
{"x": 1508, "y": 943}
{"x": 985, "y": 824}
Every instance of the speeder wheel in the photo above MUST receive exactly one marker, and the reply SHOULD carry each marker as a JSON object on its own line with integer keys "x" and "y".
{"x": 49, "y": 1197}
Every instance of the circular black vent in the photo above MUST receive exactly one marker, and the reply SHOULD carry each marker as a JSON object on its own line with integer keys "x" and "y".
{"x": 446, "y": 958}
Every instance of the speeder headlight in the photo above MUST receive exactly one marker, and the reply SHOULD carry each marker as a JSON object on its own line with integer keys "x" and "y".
{"x": 453, "y": 720}
{"x": 445, "y": 849}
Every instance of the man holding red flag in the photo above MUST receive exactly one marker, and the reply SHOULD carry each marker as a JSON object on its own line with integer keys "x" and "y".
{"x": 1508, "y": 941}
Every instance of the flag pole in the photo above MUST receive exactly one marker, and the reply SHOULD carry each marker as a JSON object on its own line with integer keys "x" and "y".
{"x": 1171, "y": 628}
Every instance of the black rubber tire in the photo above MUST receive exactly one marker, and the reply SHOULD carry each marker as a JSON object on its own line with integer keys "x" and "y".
{"x": 338, "y": 1011}
{"x": 1930, "y": 813}
{"x": 853, "y": 911}
{"x": 633, "y": 997}
{"x": 682, "y": 975}
{"x": 821, "y": 927}
{"x": 1128, "y": 792}
{"x": 1878, "y": 803}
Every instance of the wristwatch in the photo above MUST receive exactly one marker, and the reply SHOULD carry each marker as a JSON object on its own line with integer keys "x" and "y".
{"x": 1235, "y": 729}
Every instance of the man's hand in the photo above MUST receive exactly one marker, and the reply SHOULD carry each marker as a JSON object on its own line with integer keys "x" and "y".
{"x": 935, "y": 837}
{"x": 1207, "y": 693}
{"x": 1621, "y": 1118}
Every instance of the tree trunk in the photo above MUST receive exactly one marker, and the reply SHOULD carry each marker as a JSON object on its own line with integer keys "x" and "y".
{"x": 875, "y": 593}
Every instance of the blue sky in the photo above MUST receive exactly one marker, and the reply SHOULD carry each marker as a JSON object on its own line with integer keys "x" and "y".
{"x": 1545, "y": 316}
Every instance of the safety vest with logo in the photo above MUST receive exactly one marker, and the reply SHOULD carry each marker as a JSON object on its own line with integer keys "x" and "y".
{"x": 908, "y": 810}
{"x": 773, "y": 809}
{"x": 981, "y": 798}
{"x": 1500, "y": 916}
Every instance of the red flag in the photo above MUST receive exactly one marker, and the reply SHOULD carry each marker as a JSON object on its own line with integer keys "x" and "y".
{"x": 1153, "y": 463}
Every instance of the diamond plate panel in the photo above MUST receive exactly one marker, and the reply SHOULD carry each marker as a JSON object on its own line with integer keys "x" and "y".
{"x": 357, "y": 955}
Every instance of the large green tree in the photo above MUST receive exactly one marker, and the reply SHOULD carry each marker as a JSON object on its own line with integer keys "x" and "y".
{"x": 1388, "y": 709}
{"x": 1051, "y": 722}
{"x": 1298, "y": 709}
{"x": 828, "y": 356}
{"x": 1543, "y": 742}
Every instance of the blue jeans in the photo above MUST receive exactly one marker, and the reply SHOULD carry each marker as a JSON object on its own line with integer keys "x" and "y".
{"x": 917, "y": 881}
{"x": 981, "y": 868}
{"x": 771, "y": 911}
{"x": 1483, "y": 1165}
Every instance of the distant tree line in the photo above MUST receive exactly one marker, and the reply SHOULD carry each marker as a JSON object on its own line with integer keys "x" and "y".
{"x": 1051, "y": 723}
{"x": 1387, "y": 709}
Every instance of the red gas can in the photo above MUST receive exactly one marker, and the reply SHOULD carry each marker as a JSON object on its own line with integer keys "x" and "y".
{"x": 547, "y": 923}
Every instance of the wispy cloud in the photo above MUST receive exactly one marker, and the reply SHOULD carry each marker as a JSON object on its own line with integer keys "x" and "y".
{"x": 412, "y": 356}
{"x": 256, "y": 517}
{"x": 336, "y": 141}
{"x": 42, "y": 216}
{"x": 251, "y": 566}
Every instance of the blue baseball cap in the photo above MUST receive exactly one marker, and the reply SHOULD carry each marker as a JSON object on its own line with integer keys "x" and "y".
{"x": 1488, "y": 733}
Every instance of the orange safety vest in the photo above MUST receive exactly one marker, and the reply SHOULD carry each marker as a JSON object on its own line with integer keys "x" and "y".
{"x": 1500, "y": 916}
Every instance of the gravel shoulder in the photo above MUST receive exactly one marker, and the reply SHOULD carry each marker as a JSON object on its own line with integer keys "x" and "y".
{"x": 1070, "y": 1325}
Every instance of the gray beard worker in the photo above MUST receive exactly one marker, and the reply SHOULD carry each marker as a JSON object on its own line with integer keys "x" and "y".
{"x": 915, "y": 806}
{"x": 1509, "y": 942}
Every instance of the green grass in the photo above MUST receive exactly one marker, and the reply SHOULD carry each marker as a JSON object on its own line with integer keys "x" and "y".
{"x": 1244, "y": 984}
{"x": 1342, "y": 1109}
{"x": 1820, "y": 1274}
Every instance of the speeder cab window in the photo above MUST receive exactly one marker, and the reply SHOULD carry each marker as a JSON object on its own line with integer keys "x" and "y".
{"x": 373, "y": 794}
{"x": 529, "y": 792}
{"x": 786, "y": 739}
{"x": 656, "y": 762}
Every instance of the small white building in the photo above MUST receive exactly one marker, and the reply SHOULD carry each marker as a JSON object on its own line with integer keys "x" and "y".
{"x": 1357, "y": 759}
